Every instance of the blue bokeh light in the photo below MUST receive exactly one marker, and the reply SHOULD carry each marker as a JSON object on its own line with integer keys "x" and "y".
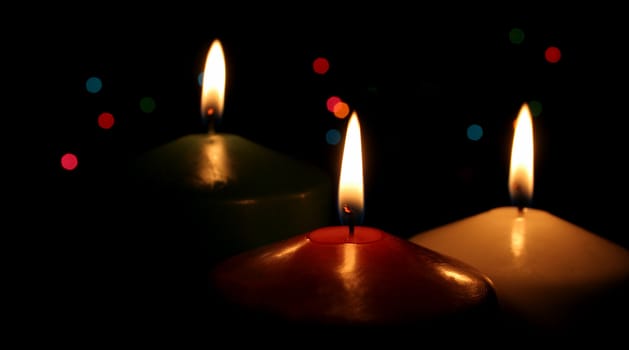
{"x": 93, "y": 85}
{"x": 474, "y": 132}
{"x": 333, "y": 137}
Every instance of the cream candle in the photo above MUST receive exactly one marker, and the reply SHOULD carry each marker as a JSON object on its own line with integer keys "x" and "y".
{"x": 231, "y": 192}
{"x": 549, "y": 273}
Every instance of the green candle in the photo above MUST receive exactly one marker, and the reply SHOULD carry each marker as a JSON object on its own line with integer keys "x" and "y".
{"x": 233, "y": 193}
{"x": 237, "y": 193}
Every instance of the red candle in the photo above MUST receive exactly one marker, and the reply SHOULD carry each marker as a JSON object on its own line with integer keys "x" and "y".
{"x": 350, "y": 276}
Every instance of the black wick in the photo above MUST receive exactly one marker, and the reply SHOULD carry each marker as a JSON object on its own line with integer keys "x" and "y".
{"x": 519, "y": 200}
{"x": 210, "y": 117}
{"x": 347, "y": 211}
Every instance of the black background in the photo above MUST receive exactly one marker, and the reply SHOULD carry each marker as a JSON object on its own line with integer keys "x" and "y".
{"x": 417, "y": 77}
{"x": 417, "y": 80}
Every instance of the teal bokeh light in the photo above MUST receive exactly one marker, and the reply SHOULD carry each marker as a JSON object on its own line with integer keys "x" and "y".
{"x": 474, "y": 132}
{"x": 333, "y": 137}
{"x": 93, "y": 85}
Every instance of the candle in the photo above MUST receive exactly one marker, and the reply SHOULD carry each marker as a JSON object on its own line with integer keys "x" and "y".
{"x": 233, "y": 193}
{"x": 351, "y": 277}
{"x": 550, "y": 275}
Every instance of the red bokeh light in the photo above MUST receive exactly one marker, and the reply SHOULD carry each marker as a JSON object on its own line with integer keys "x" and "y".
{"x": 331, "y": 102}
{"x": 106, "y": 120}
{"x": 552, "y": 54}
{"x": 69, "y": 161}
{"x": 320, "y": 65}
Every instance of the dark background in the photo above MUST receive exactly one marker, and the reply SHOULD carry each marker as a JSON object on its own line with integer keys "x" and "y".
{"x": 418, "y": 77}
{"x": 417, "y": 80}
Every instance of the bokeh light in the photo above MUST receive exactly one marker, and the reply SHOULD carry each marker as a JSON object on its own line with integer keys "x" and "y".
{"x": 106, "y": 120}
{"x": 336, "y": 105}
{"x": 320, "y": 65}
{"x": 147, "y": 104}
{"x": 331, "y": 102}
{"x": 93, "y": 85}
{"x": 516, "y": 36}
{"x": 552, "y": 54}
{"x": 341, "y": 110}
{"x": 535, "y": 107}
{"x": 333, "y": 137}
{"x": 474, "y": 132}
{"x": 69, "y": 161}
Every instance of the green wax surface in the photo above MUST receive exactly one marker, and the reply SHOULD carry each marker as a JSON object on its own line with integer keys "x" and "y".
{"x": 233, "y": 193}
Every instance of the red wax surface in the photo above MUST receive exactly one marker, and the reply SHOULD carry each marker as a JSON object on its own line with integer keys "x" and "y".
{"x": 370, "y": 278}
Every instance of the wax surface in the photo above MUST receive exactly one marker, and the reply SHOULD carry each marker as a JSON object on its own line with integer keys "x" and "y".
{"x": 554, "y": 274}
{"x": 373, "y": 278}
{"x": 234, "y": 193}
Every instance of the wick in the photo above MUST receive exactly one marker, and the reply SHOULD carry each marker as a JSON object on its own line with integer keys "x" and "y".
{"x": 348, "y": 212}
{"x": 520, "y": 199}
{"x": 209, "y": 114}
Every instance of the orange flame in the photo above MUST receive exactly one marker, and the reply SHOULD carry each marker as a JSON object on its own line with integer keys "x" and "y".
{"x": 351, "y": 192}
{"x": 213, "y": 90}
{"x": 521, "y": 169}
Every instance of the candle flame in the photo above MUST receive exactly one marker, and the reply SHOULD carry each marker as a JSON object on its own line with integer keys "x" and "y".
{"x": 521, "y": 170}
{"x": 350, "y": 193}
{"x": 213, "y": 90}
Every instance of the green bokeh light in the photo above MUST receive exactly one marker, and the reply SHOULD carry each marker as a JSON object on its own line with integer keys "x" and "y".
{"x": 516, "y": 36}
{"x": 147, "y": 104}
